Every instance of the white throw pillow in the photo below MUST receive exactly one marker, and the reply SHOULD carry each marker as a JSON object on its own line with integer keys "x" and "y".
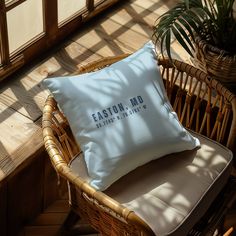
{"x": 121, "y": 116}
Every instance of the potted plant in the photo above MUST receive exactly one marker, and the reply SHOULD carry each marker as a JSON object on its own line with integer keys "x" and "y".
{"x": 206, "y": 29}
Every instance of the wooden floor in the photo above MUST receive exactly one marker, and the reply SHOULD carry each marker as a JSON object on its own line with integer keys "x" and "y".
{"x": 122, "y": 29}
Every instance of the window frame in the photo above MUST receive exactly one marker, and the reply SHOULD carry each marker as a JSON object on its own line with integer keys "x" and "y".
{"x": 52, "y": 34}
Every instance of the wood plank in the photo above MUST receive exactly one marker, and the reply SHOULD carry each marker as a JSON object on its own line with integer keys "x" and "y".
{"x": 96, "y": 40}
{"x": 113, "y": 34}
{"x": 135, "y": 18}
{"x": 46, "y": 68}
{"x": 25, "y": 97}
{"x": 23, "y": 155}
{"x": 58, "y": 206}
{"x": 140, "y": 14}
{"x": 50, "y": 219}
{"x": 75, "y": 55}
{"x": 159, "y": 6}
{"x": 52, "y": 230}
{"x": 71, "y": 55}
{"x": 15, "y": 130}
{"x": 25, "y": 94}
{"x": 109, "y": 38}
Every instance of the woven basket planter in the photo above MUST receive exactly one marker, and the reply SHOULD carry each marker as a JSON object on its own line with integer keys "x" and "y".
{"x": 215, "y": 62}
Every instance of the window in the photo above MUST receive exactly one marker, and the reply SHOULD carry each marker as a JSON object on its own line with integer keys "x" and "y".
{"x": 28, "y": 26}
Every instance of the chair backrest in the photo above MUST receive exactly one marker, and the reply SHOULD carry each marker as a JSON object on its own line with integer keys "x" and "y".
{"x": 202, "y": 104}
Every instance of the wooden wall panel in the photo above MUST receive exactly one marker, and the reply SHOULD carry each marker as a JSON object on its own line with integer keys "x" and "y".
{"x": 15, "y": 131}
{"x": 28, "y": 192}
{"x": 25, "y": 194}
{"x": 54, "y": 188}
{"x": 3, "y": 209}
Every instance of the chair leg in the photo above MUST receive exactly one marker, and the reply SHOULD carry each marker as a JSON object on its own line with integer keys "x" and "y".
{"x": 71, "y": 220}
{"x": 229, "y": 232}
{"x": 72, "y": 226}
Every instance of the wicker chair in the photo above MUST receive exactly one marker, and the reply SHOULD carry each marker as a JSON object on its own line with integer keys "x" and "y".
{"x": 202, "y": 105}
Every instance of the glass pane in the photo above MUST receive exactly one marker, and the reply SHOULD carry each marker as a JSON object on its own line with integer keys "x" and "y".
{"x": 24, "y": 22}
{"x": 67, "y": 9}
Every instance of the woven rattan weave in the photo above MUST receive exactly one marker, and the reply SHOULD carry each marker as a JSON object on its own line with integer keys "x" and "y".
{"x": 202, "y": 105}
{"x": 217, "y": 63}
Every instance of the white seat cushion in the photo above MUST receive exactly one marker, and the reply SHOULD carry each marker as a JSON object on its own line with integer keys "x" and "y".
{"x": 171, "y": 194}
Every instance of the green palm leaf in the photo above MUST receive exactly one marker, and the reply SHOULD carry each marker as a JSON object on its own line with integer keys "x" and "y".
{"x": 167, "y": 42}
{"x": 183, "y": 35}
{"x": 212, "y": 20}
{"x": 181, "y": 40}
